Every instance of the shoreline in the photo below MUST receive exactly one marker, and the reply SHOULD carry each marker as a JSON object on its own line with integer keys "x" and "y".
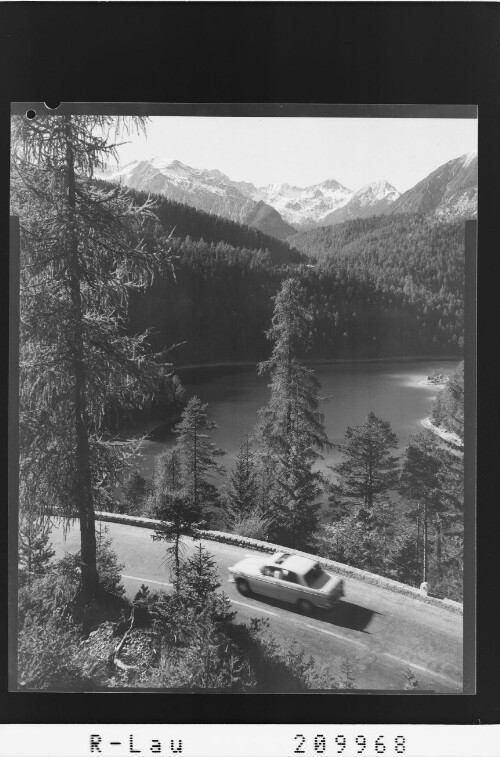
{"x": 447, "y": 436}
{"x": 146, "y": 427}
{"x": 326, "y": 361}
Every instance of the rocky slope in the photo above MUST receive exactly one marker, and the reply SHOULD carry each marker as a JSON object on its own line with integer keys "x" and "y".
{"x": 448, "y": 193}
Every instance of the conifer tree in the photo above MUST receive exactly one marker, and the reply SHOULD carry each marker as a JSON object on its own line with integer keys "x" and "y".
{"x": 180, "y": 514}
{"x": 200, "y": 578}
{"x": 166, "y": 477}
{"x": 135, "y": 492}
{"x": 35, "y": 552}
{"x": 265, "y": 475}
{"x": 368, "y": 469}
{"x": 291, "y": 426}
{"x": 404, "y": 563}
{"x": 450, "y": 519}
{"x": 179, "y": 517}
{"x": 242, "y": 492}
{"x": 197, "y": 456}
{"x": 83, "y": 249}
{"x": 420, "y": 483}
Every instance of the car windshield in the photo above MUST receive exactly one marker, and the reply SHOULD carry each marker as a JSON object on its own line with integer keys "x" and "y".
{"x": 316, "y": 578}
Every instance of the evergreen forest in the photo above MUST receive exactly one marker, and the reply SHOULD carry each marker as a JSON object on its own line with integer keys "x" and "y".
{"x": 377, "y": 287}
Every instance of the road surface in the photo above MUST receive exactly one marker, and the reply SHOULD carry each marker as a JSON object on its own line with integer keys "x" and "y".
{"x": 381, "y": 633}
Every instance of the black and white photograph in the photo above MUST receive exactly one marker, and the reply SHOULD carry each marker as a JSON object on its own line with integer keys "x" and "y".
{"x": 243, "y": 426}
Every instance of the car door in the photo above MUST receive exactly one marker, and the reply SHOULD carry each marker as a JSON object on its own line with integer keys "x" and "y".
{"x": 265, "y": 581}
{"x": 288, "y": 588}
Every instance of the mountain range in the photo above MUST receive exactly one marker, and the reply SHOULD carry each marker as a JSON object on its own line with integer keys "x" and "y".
{"x": 207, "y": 190}
{"x": 280, "y": 210}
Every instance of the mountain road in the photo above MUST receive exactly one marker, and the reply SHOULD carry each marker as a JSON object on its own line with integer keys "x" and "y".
{"x": 382, "y": 633}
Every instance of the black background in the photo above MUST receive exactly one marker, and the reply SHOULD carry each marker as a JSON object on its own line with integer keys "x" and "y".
{"x": 434, "y": 53}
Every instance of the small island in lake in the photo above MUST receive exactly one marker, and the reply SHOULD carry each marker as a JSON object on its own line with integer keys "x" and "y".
{"x": 436, "y": 379}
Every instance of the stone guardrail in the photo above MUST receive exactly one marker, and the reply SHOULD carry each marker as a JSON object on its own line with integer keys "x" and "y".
{"x": 264, "y": 546}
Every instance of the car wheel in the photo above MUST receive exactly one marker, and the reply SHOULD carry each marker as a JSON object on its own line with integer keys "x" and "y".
{"x": 243, "y": 587}
{"x": 305, "y": 607}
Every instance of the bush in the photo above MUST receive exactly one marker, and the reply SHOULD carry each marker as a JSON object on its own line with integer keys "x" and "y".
{"x": 56, "y": 591}
{"x": 449, "y": 585}
{"x": 47, "y": 654}
{"x": 197, "y": 653}
{"x": 53, "y": 592}
{"x": 411, "y": 681}
{"x": 108, "y": 567}
{"x": 135, "y": 494}
{"x": 254, "y": 525}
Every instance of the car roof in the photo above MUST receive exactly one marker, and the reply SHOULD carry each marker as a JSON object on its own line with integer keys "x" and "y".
{"x": 297, "y": 564}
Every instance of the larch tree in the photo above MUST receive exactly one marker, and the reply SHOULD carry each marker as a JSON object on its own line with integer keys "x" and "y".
{"x": 83, "y": 250}
{"x": 291, "y": 425}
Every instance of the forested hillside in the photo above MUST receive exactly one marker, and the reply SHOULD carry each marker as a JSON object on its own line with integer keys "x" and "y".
{"x": 416, "y": 262}
{"x": 409, "y": 253}
{"x": 380, "y": 286}
{"x": 220, "y": 305}
{"x": 185, "y": 220}
{"x": 217, "y": 308}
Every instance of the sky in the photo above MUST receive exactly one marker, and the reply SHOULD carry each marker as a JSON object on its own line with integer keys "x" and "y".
{"x": 307, "y": 151}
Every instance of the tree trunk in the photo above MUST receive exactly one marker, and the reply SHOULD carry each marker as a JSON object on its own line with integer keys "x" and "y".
{"x": 177, "y": 561}
{"x": 195, "y": 465}
{"x": 83, "y": 488}
{"x": 369, "y": 482}
{"x": 30, "y": 547}
{"x": 425, "y": 541}
{"x": 418, "y": 542}
{"x": 439, "y": 549}
{"x": 288, "y": 427}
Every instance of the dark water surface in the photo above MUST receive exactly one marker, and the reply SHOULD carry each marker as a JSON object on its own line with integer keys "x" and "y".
{"x": 393, "y": 390}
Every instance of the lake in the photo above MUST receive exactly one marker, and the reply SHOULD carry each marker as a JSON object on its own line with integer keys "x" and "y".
{"x": 393, "y": 390}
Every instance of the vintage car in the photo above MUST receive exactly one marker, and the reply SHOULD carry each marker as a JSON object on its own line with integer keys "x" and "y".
{"x": 298, "y": 580}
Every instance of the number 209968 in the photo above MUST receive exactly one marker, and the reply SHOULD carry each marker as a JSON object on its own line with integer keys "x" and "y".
{"x": 341, "y": 744}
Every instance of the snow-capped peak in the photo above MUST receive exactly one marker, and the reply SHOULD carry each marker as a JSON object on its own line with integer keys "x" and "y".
{"x": 468, "y": 158}
{"x": 375, "y": 191}
{"x": 306, "y": 205}
{"x": 169, "y": 166}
